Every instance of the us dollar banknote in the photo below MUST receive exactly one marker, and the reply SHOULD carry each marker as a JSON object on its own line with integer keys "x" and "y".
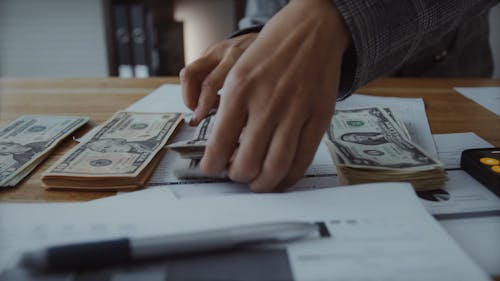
{"x": 371, "y": 145}
{"x": 399, "y": 122}
{"x": 191, "y": 151}
{"x": 189, "y": 169}
{"x": 195, "y": 147}
{"x": 28, "y": 140}
{"x": 370, "y": 138}
{"x": 117, "y": 153}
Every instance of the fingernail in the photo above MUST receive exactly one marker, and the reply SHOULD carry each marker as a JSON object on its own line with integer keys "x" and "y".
{"x": 194, "y": 118}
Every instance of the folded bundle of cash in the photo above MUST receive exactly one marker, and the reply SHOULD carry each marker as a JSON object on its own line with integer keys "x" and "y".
{"x": 121, "y": 154}
{"x": 28, "y": 140}
{"x": 192, "y": 151}
{"x": 373, "y": 145}
{"x": 195, "y": 147}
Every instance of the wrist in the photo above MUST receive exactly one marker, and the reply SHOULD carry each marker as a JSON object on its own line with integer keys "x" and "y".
{"x": 326, "y": 13}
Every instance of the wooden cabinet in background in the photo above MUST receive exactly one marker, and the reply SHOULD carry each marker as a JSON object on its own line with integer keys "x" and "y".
{"x": 142, "y": 38}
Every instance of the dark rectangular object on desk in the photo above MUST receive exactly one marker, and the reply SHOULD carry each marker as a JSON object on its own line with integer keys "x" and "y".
{"x": 240, "y": 265}
{"x": 484, "y": 165}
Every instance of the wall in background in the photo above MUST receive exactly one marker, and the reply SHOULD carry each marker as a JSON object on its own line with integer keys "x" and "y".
{"x": 205, "y": 22}
{"x": 52, "y": 38}
{"x": 495, "y": 38}
{"x": 65, "y": 38}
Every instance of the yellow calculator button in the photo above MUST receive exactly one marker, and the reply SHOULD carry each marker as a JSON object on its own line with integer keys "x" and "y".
{"x": 489, "y": 161}
{"x": 496, "y": 169}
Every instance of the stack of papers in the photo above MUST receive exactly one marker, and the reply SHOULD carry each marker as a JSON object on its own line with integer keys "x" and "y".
{"x": 487, "y": 97}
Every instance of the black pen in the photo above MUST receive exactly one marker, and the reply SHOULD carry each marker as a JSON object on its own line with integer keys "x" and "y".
{"x": 110, "y": 252}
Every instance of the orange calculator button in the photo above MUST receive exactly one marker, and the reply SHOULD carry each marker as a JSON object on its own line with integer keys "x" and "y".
{"x": 489, "y": 161}
{"x": 496, "y": 169}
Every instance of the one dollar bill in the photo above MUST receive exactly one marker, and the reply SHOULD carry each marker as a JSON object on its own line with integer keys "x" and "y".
{"x": 370, "y": 138}
{"x": 194, "y": 148}
{"x": 371, "y": 145}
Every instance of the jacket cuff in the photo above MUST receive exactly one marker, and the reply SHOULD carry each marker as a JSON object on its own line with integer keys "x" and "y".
{"x": 352, "y": 63}
{"x": 252, "y": 29}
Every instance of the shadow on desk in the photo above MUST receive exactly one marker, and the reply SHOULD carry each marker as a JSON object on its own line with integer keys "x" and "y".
{"x": 254, "y": 265}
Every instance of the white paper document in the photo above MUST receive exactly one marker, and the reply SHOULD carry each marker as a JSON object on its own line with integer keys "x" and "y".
{"x": 487, "y": 97}
{"x": 167, "y": 98}
{"x": 480, "y": 238}
{"x": 461, "y": 197}
{"x": 465, "y": 208}
{"x": 370, "y": 232}
{"x": 450, "y": 147}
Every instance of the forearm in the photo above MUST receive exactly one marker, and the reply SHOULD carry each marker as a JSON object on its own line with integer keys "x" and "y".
{"x": 386, "y": 33}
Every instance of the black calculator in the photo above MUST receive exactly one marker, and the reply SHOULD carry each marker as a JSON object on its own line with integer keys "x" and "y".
{"x": 484, "y": 165}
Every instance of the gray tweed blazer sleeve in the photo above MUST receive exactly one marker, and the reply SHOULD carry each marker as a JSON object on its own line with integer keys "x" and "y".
{"x": 385, "y": 33}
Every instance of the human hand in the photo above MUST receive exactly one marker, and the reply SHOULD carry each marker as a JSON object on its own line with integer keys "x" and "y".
{"x": 202, "y": 79}
{"x": 282, "y": 90}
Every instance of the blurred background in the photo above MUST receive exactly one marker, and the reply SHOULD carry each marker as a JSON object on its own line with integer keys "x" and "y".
{"x": 126, "y": 38}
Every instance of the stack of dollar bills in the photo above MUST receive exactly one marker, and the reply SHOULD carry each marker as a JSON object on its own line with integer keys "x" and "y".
{"x": 192, "y": 150}
{"x": 121, "y": 154}
{"x": 29, "y": 140}
{"x": 373, "y": 145}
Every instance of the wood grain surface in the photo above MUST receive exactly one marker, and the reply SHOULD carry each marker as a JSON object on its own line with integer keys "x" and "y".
{"x": 447, "y": 111}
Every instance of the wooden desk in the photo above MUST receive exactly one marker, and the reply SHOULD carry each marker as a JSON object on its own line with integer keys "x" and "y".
{"x": 448, "y": 112}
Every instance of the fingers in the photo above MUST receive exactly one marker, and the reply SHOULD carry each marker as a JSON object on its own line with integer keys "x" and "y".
{"x": 279, "y": 156}
{"x": 229, "y": 123}
{"x": 252, "y": 149}
{"x": 192, "y": 76}
{"x": 213, "y": 83}
{"x": 309, "y": 140}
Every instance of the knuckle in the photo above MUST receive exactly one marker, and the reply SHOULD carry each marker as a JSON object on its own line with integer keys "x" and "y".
{"x": 208, "y": 169}
{"x": 324, "y": 114}
{"x": 262, "y": 186}
{"x": 236, "y": 94}
{"x": 239, "y": 81}
{"x": 186, "y": 73}
{"x": 216, "y": 49}
{"x": 208, "y": 166}
{"x": 182, "y": 73}
{"x": 233, "y": 52}
{"x": 271, "y": 175}
{"x": 212, "y": 49}
{"x": 191, "y": 104}
{"x": 243, "y": 172}
{"x": 208, "y": 83}
{"x": 242, "y": 73}
{"x": 289, "y": 180}
{"x": 274, "y": 166}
